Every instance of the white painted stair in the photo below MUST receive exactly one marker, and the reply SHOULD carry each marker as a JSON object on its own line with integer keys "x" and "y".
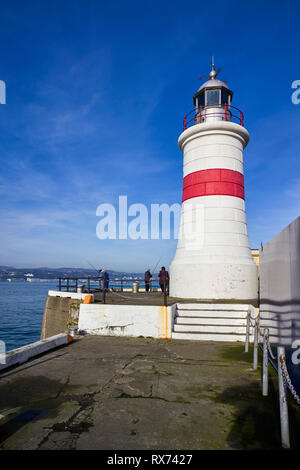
{"x": 211, "y": 322}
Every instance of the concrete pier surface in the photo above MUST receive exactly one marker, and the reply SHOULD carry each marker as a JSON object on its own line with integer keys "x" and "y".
{"x": 156, "y": 298}
{"x": 140, "y": 393}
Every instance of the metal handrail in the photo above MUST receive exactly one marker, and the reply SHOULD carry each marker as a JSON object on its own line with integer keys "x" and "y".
{"x": 284, "y": 422}
{"x": 66, "y": 285}
{"x": 279, "y": 364}
{"x": 199, "y": 114}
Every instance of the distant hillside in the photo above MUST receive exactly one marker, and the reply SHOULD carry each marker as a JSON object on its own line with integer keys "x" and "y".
{"x": 10, "y": 272}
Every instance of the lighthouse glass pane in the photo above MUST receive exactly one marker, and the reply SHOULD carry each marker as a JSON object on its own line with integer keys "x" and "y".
{"x": 201, "y": 100}
{"x": 224, "y": 97}
{"x": 212, "y": 97}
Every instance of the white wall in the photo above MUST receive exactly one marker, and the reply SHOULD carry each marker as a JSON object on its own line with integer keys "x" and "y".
{"x": 279, "y": 285}
{"x": 127, "y": 320}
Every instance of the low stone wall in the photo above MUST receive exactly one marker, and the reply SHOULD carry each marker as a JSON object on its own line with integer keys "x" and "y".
{"x": 23, "y": 354}
{"x": 59, "y": 314}
{"x": 127, "y": 320}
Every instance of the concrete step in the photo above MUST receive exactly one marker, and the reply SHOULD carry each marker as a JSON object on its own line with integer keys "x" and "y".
{"x": 215, "y": 306}
{"x": 183, "y": 320}
{"x": 211, "y": 313}
{"x": 211, "y": 322}
{"x": 210, "y": 329}
{"x": 208, "y": 336}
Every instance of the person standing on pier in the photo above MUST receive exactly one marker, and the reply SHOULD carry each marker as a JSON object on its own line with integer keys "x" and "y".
{"x": 148, "y": 276}
{"x": 103, "y": 276}
{"x": 163, "y": 279}
{"x": 106, "y": 279}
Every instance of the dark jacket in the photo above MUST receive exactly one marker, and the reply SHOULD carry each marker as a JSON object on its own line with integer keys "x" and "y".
{"x": 148, "y": 276}
{"x": 163, "y": 277}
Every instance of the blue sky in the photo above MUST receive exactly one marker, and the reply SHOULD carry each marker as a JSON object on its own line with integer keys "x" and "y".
{"x": 96, "y": 94}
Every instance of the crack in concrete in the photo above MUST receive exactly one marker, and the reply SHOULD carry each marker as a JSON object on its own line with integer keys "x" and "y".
{"x": 85, "y": 401}
{"x": 185, "y": 361}
{"x": 62, "y": 387}
{"x": 151, "y": 397}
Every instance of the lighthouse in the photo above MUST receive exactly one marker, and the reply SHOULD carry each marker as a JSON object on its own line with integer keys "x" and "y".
{"x": 213, "y": 260}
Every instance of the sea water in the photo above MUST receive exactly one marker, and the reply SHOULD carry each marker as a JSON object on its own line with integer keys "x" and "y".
{"x": 21, "y": 312}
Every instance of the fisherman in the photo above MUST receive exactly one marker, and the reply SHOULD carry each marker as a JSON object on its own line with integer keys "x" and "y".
{"x": 106, "y": 279}
{"x": 102, "y": 278}
{"x": 148, "y": 276}
{"x": 163, "y": 279}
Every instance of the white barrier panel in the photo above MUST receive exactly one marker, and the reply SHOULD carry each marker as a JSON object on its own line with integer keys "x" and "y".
{"x": 2, "y": 352}
{"x": 21, "y": 355}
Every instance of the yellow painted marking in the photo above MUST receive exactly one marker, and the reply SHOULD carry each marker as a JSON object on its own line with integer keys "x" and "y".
{"x": 164, "y": 321}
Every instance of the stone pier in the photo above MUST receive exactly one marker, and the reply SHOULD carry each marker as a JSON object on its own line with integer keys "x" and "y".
{"x": 140, "y": 393}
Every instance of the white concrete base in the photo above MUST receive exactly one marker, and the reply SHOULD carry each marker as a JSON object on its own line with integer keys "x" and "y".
{"x": 71, "y": 295}
{"x": 215, "y": 281}
{"x": 126, "y": 320}
{"x": 21, "y": 355}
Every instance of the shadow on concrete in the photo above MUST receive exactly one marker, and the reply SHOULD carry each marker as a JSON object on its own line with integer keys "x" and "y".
{"x": 235, "y": 352}
{"x": 30, "y": 399}
{"x": 17, "y": 368}
{"x": 21, "y": 419}
{"x": 256, "y": 419}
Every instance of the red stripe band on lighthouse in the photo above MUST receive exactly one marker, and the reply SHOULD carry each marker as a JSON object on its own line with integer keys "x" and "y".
{"x": 213, "y": 182}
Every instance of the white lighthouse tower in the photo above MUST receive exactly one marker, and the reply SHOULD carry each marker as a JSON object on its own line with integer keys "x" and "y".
{"x": 213, "y": 260}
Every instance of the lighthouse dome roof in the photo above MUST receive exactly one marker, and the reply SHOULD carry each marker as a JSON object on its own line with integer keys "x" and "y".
{"x": 213, "y": 83}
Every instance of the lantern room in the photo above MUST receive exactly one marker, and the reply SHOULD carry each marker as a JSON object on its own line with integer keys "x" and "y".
{"x": 213, "y": 92}
{"x": 213, "y": 103}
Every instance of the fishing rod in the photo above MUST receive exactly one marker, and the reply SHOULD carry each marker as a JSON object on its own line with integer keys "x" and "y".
{"x": 156, "y": 265}
{"x": 92, "y": 266}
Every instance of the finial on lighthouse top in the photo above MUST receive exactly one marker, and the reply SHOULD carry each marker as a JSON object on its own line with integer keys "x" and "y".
{"x": 213, "y": 73}
{"x": 213, "y": 91}
{"x": 212, "y": 78}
